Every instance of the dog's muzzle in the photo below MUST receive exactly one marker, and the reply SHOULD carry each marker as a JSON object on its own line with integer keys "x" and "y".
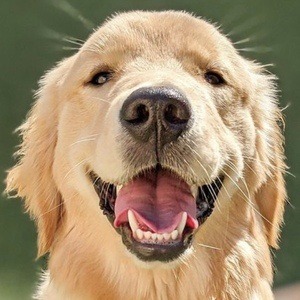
{"x": 156, "y": 211}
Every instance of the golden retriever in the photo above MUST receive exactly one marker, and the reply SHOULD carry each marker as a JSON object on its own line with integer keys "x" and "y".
{"x": 158, "y": 120}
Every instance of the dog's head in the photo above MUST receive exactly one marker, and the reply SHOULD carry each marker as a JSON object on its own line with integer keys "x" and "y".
{"x": 157, "y": 119}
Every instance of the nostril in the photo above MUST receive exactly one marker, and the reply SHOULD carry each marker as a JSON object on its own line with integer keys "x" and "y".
{"x": 176, "y": 114}
{"x": 139, "y": 114}
{"x": 156, "y": 114}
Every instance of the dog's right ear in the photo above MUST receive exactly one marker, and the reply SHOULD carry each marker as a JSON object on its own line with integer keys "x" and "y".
{"x": 32, "y": 178}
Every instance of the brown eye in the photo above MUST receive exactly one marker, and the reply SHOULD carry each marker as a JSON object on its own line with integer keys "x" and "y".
{"x": 214, "y": 78}
{"x": 101, "y": 78}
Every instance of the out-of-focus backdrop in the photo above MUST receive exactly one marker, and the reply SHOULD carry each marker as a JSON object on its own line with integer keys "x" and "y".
{"x": 36, "y": 34}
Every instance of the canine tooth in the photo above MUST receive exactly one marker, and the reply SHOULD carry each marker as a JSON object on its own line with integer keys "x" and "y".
{"x": 182, "y": 223}
{"x": 160, "y": 237}
{"x": 154, "y": 236}
{"x": 166, "y": 236}
{"x": 194, "y": 191}
{"x": 132, "y": 221}
{"x": 147, "y": 235}
{"x": 174, "y": 234}
{"x": 139, "y": 233}
{"x": 118, "y": 188}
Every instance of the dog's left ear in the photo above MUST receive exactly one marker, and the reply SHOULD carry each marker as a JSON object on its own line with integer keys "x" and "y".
{"x": 32, "y": 177}
{"x": 271, "y": 194}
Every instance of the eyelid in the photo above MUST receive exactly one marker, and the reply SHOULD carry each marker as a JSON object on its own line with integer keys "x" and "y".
{"x": 218, "y": 69}
{"x": 100, "y": 68}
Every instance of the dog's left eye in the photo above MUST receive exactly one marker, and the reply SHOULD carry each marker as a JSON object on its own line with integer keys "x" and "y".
{"x": 214, "y": 78}
{"x": 100, "y": 78}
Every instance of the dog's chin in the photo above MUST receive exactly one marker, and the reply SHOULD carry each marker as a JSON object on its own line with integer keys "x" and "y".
{"x": 156, "y": 251}
{"x": 156, "y": 264}
{"x": 157, "y": 213}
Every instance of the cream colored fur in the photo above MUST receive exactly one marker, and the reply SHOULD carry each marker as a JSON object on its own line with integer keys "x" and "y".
{"x": 73, "y": 128}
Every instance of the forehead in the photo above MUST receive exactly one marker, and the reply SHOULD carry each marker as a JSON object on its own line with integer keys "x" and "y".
{"x": 159, "y": 33}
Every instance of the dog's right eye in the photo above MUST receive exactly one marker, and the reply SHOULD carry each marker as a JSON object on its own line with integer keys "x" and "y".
{"x": 100, "y": 78}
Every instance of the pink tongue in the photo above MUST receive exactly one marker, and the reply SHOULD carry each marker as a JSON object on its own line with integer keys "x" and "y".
{"x": 158, "y": 200}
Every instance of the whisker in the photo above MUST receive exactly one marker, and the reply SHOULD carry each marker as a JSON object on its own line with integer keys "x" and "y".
{"x": 59, "y": 36}
{"x": 273, "y": 181}
{"x": 99, "y": 99}
{"x": 270, "y": 165}
{"x": 247, "y": 199}
{"x": 70, "y": 10}
{"x": 259, "y": 49}
{"x": 234, "y": 15}
{"x": 74, "y": 167}
{"x": 60, "y": 204}
{"x": 243, "y": 41}
{"x": 285, "y": 107}
{"x": 70, "y": 48}
{"x": 50, "y": 210}
{"x": 212, "y": 192}
{"x": 72, "y": 41}
{"x": 222, "y": 187}
{"x": 83, "y": 140}
{"x": 209, "y": 247}
{"x": 241, "y": 178}
{"x": 87, "y": 138}
{"x": 248, "y": 24}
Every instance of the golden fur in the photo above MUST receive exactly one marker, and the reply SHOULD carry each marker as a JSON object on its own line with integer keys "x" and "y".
{"x": 73, "y": 127}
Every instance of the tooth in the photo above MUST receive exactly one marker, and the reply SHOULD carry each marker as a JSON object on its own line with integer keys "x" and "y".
{"x": 160, "y": 237}
{"x": 174, "y": 234}
{"x": 182, "y": 223}
{"x": 166, "y": 236}
{"x": 139, "y": 234}
{"x": 194, "y": 191}
{"x": 154, "y": 236}
{"x": 118, "y": 188}
{"x": 147, "y": 235}
{"x": 132, "y": 221}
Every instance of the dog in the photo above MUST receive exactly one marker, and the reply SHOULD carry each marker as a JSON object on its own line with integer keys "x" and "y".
{"x": 152, "y": 163}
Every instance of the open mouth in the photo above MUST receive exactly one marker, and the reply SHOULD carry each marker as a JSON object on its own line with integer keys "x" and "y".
{"x": 157, "y": 212}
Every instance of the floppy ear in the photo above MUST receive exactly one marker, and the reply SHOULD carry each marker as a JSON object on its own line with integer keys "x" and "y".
{"x": 271, "y": 198}
{"x": 31, "y": 178}
{"x": 271, "y": 195}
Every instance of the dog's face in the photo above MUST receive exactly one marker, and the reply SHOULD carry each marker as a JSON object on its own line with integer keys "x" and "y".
{"x": 157, "y": 119}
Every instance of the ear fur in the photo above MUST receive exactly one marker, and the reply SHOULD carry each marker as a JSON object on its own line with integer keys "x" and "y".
{"x": 31, "y": 178}
{"x": 271, "y": 195}
{"x": 271, "y": 199}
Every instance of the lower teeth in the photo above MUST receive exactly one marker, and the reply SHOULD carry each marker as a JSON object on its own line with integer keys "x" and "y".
{"x": 149, "y": 236}
{"x": 153, "y": 237}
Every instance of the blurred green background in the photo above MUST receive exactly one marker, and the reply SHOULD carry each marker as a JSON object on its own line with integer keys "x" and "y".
{"x": 34, "y": 36}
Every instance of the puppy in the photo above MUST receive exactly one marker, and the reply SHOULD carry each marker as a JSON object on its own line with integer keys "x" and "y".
{"x": 152, "y": 163}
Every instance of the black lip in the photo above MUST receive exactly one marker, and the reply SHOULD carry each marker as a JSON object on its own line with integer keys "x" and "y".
{"x": 207, "y": 195}
{"x": 205, "y": 201}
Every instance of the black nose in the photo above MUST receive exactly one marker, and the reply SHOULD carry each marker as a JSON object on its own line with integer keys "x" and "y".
{"x": 163, "y": 111}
